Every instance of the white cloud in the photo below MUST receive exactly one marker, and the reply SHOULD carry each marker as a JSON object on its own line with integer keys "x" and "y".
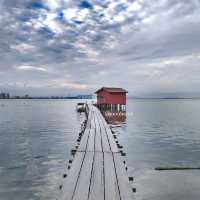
{"x": 23, "y": 47}
{"x": 51, "y": 22}
{"x": 167, "y": 63}
{"x": 53, "y": 4}
{"x": 66, "y": 84}
{"x": 137, "y": 43}
{"x": 31, "y": 68}
{"x": 92, "y": 54}
{"x": 70, "y": 13}
{"x": 119, "y": 18}
{"x": 133, "y": 7}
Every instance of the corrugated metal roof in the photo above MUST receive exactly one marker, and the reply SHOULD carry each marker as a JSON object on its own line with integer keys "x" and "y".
{"x": 112, "y": 90}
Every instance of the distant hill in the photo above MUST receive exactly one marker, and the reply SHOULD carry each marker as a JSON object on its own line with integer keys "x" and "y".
{"x": 173, "y": 95}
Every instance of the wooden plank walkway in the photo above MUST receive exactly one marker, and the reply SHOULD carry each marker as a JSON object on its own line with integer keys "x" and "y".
{"x": 97, "y": 171}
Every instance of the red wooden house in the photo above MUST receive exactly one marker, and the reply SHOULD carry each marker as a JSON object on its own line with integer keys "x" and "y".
{"x": 111, "y": 98}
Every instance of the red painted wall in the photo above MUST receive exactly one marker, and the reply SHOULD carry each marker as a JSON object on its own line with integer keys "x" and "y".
{"x": 104, "y": 97}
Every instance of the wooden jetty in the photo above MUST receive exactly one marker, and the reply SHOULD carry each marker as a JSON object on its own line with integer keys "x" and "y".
{"x": 97, "y": 171}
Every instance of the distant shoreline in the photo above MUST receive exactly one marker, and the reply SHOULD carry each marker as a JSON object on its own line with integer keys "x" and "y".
{"x": 164, "y": 98}
{"x": 130, "y": 98}
{"x": 49, "y": 98}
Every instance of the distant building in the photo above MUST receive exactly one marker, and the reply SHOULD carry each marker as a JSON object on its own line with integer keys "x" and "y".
{"x": 85, "y": 96}
{"x": 113, "y": 99}
{"x": 4, "y": 95}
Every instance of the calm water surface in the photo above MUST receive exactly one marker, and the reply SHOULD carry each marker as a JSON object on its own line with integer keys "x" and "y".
{"x": 163, "y": 133}
{"x": 36, "y": 137}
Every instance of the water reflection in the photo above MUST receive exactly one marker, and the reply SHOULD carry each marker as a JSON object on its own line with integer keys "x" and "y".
{"x": 115, "y": 117}
{"x": 114, "y": 114}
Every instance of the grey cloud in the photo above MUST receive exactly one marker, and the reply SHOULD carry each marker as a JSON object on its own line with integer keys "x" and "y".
{"x": 125, "y": 49}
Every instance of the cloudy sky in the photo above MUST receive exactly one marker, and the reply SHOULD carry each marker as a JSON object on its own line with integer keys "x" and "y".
{"x": 61, "y": 47}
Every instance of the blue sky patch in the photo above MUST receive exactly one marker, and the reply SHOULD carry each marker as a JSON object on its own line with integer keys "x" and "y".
{"x": 24, "y": 18}
{"x": 38, "y": 5}
{"x": 61, "y": 15}
{"x": 102, "y": 3}
{"x": 48, "y": 33}
{"x": 86, "y": 4}
{"x": 120, "y": 7}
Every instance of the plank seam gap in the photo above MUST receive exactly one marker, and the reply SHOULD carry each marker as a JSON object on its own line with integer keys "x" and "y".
{"x": 81, "y": 165}
{"x": 113, "y": 160}
{"x": 92, "y": 162}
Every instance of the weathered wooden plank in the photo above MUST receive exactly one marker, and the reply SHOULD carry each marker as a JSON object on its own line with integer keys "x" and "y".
{"x": 105, "y": 142}
{"x": 91, "y": 141}
{"x": 104, "y": 139}
{"x": 107, "y": 135}
{"x": 92, "y": 119}
{"x": 88, "y": 138}
{"x": 113, "y": 145}
{"x": 98, "y": 139}
{"x": 111, "y": 140}
{"x": 84, "y": 140}
{"x": 97, "y": 179}
{"x": 70, "y": 181}
{"x": 124, "y": 185}
{"x": 88, "y": 125}
{"x": 90, "y": 116}
{"x": 111, "y": 183}
{"x": 83, "y": 184}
